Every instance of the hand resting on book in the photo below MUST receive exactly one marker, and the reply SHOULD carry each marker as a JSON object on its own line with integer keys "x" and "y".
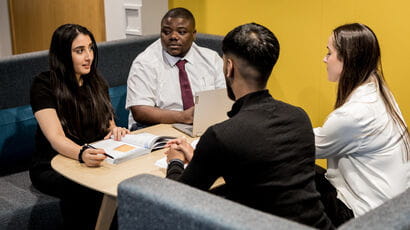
{"x": 131, "y": 146}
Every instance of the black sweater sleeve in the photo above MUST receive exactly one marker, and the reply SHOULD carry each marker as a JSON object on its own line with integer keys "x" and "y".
{"x": 175, "y": 169}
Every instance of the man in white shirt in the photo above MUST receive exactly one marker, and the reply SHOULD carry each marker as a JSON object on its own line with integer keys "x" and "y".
{"x": 153, "y": 88}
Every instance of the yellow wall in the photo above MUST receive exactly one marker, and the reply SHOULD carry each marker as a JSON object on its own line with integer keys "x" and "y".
{"x": 303, "y": 28}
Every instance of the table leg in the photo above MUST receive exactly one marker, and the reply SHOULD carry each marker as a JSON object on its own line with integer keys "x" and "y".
{"x": 107, "y": 211}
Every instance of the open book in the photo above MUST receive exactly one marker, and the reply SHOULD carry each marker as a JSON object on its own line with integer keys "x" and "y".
{"x": 131, "y": 146}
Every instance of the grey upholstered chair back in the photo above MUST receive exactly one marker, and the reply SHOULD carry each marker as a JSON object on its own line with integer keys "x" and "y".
{"x": 150, "y": 202}
{"x": 393, "y": 214}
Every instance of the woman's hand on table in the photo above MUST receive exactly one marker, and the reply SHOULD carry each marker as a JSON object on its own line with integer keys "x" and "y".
{"x": 117, "y": 133}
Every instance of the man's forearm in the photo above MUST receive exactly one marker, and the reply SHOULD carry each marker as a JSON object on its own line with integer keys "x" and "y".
{"x": 152, "y": 115}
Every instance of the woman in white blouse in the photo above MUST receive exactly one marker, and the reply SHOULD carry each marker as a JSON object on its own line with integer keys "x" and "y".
{"x": 365, "y": 139}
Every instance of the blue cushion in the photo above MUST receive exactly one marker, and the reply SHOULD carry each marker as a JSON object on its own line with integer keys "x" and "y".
{"x": 18, "y": 127}
{"x": 118, "y": 95}
{"x": 17, "y": 130}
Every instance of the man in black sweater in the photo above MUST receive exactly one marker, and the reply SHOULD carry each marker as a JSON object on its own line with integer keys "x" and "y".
{"x": 265, "y": 152}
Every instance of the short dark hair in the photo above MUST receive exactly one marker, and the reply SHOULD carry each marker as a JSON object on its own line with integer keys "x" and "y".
{"x": 179, "y": 12}
{"x": 256, "y": 45}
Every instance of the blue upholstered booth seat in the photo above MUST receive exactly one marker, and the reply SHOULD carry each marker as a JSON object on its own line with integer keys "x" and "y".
{"x": 21, "y": 205}
{"x": 17, "y": 129}
{"x": 117, "y": 96}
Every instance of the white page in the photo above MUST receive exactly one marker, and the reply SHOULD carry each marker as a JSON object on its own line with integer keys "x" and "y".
{"x": 144, "y": 140}
{"x": 120, "y": 151}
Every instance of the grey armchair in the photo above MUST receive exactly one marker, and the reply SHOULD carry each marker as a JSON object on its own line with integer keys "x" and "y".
{"x": 150, "y": 202}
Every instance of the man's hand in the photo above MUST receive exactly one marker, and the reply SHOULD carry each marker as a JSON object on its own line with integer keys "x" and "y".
{"x": 180, "y": 145}
{"x": 173, "y": 153}
{"x": 187, "y": 116}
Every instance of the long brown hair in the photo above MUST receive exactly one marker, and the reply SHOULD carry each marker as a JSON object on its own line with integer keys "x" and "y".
{"x": 93, "y": 107}
{"x": 358, "y": 49}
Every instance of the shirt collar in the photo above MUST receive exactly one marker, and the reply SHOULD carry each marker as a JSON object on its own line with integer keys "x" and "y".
{"x": 170, "y": 59}
{"x": 173, "y": 60}
{"x": 248, "y": 99}
{"x": 364, "y": 93}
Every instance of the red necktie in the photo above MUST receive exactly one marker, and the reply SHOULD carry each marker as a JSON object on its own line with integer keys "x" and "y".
{"x": 186, "y": 93}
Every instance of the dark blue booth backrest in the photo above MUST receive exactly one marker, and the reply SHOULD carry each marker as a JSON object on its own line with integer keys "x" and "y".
{"x": 17, "y": 123}
{"x": 115, "y": 58}
{"x": 17, "y": 72}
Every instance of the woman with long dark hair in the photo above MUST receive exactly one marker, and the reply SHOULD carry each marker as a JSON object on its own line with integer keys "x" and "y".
{"x": 72, "y": 108}
{"x": 365, "y": 139}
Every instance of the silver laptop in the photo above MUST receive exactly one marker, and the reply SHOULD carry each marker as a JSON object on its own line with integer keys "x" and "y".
{"x": 211, "y": 107}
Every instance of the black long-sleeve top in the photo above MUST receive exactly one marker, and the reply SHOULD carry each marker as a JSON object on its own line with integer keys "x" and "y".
{"x": 266, "y": 154}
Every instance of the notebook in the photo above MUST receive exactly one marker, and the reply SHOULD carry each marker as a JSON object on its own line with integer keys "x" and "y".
{"x": 211, "y": 107}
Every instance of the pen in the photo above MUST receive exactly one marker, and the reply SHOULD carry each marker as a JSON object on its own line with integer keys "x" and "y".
{"x": 108, "y": 155}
